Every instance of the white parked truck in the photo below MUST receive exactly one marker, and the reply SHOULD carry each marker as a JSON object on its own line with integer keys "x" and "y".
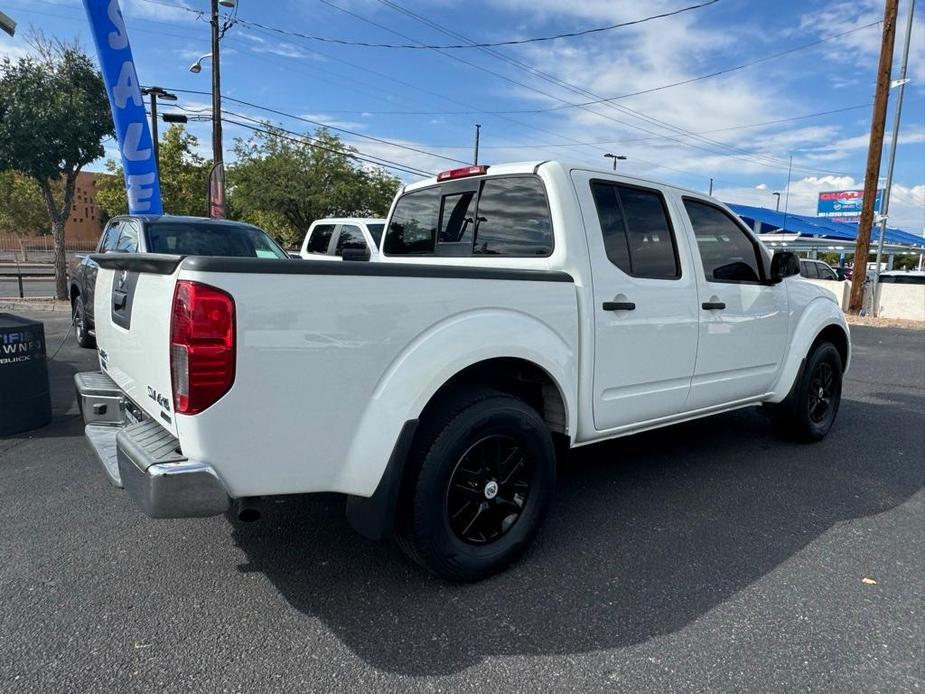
{"x": 513, "y": 307}
{"x": 332, "y": 238}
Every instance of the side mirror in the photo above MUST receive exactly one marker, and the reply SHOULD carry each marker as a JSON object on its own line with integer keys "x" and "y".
{"x": 361, "y": 254}
{"x": 784, "y": 264}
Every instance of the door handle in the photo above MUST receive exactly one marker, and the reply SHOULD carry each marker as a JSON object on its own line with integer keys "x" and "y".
{"x": 619, "y": 306}
{"x": 713, "y": 306}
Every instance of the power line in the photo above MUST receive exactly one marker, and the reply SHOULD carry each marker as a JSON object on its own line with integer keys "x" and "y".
{"x": 326, "y": 125}
{"x": 509, "y": 42}
{"x": 645, "y": 139}
{"x": 307, "y": 141}
{"x": 764, "y": 160}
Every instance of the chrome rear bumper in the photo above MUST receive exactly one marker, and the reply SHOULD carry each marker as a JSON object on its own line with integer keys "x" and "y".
{"x": 145, "y": 458}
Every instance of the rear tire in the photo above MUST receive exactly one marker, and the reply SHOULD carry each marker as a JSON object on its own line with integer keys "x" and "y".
{"x": 79, "y": 317}
{"x": 480, "y": 480}
{"x": 810, "y": 409}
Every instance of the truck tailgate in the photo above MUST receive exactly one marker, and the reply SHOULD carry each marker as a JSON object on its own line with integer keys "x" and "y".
{"x": 132, "y": 310}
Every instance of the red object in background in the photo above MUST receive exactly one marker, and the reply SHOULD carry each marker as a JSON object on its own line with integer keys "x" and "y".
{"x": 217, "y": 192}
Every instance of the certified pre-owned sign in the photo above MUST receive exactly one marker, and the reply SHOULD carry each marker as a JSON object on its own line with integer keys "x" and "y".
{"x": 20, "y": 346}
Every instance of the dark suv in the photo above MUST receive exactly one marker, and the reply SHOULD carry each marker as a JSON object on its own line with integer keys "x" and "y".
{"x": 161, "y": 234}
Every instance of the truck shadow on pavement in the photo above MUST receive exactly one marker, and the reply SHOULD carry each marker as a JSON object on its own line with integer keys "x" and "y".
{"x": 647, "y": 534}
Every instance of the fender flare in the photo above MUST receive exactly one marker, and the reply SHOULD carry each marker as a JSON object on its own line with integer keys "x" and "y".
{"x": 819, "y": 314}
{"x": 424, "y": 366}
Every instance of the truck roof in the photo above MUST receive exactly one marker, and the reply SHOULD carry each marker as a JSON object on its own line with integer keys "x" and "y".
{"x": 529, "y": 167}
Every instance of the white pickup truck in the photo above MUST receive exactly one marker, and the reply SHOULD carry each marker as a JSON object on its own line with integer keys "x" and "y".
{"x": 513, "y": 307}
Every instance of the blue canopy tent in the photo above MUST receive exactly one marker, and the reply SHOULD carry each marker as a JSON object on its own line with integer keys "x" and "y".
{"x": 818, "y": 232}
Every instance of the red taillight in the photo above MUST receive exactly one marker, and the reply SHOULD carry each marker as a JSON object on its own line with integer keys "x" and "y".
{"x": 202, "y": 346}
{"x": 478, "y": 170}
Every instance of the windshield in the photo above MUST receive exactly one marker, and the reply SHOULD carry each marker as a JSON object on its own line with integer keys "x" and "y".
{"x": 212, "y": 238}
{"x": 375, "y": 230}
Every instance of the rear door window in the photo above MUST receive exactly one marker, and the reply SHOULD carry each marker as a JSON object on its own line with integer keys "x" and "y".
{"x": 320, "y": 239}
{"x": 638, "y": 237}
{"x": 350, "y": 236}
{"x": 808, "y": 270}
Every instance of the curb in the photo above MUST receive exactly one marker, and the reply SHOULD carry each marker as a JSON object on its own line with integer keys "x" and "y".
{"x": 35, "y": 304}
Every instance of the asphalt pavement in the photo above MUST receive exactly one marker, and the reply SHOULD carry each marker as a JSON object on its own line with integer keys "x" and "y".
{"x": 710, "y": 556}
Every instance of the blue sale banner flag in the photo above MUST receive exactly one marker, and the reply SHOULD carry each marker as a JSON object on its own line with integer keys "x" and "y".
{"x": 128, "y": 110}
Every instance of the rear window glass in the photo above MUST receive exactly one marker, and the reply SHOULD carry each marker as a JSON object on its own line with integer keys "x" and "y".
{"x": 505, "y": 216}
{"x": 413, "y": 226}
{"x": 320, "y": 239}
{"x": 513, "y": 218}
{"x": 214, "y": 238}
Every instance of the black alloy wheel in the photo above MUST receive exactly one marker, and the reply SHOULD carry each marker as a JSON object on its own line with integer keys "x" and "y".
{"x": 488, "y": 489}
{"x": 821, "y": 391}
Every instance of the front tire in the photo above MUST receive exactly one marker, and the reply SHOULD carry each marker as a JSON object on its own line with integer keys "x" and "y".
{"x": 481, "y": 478}
{"x": 809, "y": 411}
{"x": 79, "y": 317}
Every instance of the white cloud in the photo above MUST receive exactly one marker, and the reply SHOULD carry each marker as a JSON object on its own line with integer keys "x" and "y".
{"x": 907, "y": 203}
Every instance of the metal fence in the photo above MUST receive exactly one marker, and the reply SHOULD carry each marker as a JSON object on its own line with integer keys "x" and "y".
{"x": 38, "y": 249}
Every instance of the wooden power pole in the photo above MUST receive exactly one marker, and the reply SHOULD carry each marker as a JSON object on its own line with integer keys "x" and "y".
{"x": 874, "y": 154}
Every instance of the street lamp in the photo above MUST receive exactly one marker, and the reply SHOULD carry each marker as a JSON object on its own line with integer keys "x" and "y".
{"x": 776, "y": 204}
{"x": 154, "y": 93}
{"x": 614, "y": 157}
{"x": 196, "y": 67}
{"x": 7, "y": 24}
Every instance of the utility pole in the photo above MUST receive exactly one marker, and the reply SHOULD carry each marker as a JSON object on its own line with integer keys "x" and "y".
{"x": 155, "y": 92}
{"x": 217, "y": 176}
{"x": 711, "y": 186}
{"x": 477, "y": 129}
{"x": 894, "y": 137}
{"x": 874, "y": 152}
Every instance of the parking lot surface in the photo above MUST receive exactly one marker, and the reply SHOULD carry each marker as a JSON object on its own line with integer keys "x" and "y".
{"x": 708, "y": 556}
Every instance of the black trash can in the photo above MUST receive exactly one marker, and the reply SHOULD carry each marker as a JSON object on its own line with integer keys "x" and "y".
{"x": 25, "y": 398}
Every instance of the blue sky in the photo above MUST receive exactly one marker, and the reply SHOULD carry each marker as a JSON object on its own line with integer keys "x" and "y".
{"x": 429, "y": 100}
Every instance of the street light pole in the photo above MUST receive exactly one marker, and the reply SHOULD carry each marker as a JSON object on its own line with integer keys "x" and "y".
{"x": 155, "y": 92}
{"x": 777, "y": 203}
{"x": 894, "y": 137}
{"x": 478, "y": 128}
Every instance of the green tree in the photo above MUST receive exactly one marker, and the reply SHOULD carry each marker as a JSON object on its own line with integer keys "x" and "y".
{"x": 54, "y": 115}
{"x": 22, "y": 208}
{"x": 286, "y": 184}
{"x": 184, "y": 178}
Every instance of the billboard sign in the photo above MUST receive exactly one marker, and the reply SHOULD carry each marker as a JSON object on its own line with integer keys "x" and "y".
{"x": 844, "y": 205}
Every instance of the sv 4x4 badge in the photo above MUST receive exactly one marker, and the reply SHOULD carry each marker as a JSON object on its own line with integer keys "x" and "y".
{"x": 158, "y": 398}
